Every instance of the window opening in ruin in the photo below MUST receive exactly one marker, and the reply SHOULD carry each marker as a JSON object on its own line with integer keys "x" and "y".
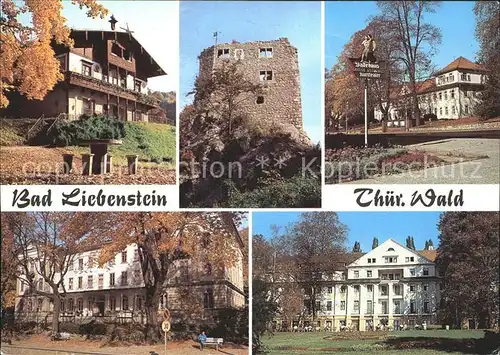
{"x": 266, "y": 52}
{"x": 223, "y": 53}
{"x": 266, "y": 75}
{"x": 239, "y": 54}
{"x": 260, "y": 100}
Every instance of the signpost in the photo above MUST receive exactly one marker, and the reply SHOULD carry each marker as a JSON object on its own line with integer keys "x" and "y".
{"x": 367, "y": 67}
{"x": 165, "y": 326}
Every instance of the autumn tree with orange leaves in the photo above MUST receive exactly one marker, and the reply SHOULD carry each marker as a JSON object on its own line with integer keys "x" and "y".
{"x": 165, "y": 240}
{"x": 46, "y": 244}
{"x": 8, "y": 263}
{"x": 27, "y": 60}
{"x": 344, "y": 92}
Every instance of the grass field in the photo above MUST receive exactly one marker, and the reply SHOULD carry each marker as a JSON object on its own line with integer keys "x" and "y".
{"x": 430, "y": 342}
{"x": 153, "y": 142}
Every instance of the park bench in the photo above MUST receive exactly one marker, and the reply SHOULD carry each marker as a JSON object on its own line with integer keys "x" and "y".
{"x": 214, "y": 341}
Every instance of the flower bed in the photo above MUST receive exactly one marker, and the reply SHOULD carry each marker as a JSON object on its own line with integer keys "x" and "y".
{"x": 354, "y": 163}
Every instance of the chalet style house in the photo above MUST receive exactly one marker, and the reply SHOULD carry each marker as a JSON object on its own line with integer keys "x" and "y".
{"x": 115, "y": 292}
{"x": 390, "y": 286}
{"x": 106, "y": 72}
{"x": 452, "y": 93}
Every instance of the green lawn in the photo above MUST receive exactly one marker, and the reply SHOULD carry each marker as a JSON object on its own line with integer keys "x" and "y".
{"x": 430, "y": 342}
{"x": 153, "y": 142}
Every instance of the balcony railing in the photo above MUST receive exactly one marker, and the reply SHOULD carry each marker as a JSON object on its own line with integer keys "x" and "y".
{"x": 113, "y": 88}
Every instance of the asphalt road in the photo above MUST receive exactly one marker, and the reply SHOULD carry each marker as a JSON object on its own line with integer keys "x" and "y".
{"x": 479, "y": 171}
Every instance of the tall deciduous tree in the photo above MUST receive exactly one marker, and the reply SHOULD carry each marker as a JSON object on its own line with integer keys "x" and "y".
{"x": 163, "y": 239}
{"x": 9, "y": 263}
{"x": 264, "y": 310}
{"x": 27, "y": 60}
{"x": 468, "y": 263}
{"x": 47, "y": 243}
{"x": 488, "y": 35}
{"x": 314, "y": 242}
{"x": 414, "y": 40}
{"x": 219, "y": 97}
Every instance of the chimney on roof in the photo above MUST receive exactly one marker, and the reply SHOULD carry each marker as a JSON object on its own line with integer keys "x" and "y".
{"x": 113, "y": 22}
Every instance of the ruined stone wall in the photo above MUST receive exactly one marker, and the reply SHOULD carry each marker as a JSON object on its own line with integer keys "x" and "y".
{"x": 280, "y": 100}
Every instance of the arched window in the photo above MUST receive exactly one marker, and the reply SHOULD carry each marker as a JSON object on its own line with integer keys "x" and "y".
{"x": 390, "y": 249}
{"x": 124, "y": 303}
{"x": 79, "y": 304}
{"x": 138, "y": 302}
{"x": 112, "y": 303}
{"x": 71, "y": 305}
{"x": 208, "y": 299}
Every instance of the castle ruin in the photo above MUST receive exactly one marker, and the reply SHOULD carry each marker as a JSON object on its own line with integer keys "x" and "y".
{"x": 275, "y": 65}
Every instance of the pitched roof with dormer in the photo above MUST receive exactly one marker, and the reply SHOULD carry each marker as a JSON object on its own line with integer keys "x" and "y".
{"x": 426, "y": 256}
{"x": 461, "y": 63}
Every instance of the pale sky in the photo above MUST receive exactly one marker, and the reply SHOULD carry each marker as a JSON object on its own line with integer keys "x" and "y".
{"x": 155, "y": 25}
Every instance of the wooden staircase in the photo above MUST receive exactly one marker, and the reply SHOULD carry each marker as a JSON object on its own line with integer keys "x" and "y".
{"x": 42, "y": 127}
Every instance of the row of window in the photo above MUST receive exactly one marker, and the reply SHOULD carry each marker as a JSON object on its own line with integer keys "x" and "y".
{"x": 69, "y": 304}
{"x": 446, "y": 112}
{"x": 224, "y": 53}
{"x": 114, "y": 78}
{"x": 391, "y": 276}
{"x": 369, "y": 306}
{"x": 92, "y": 261}
{"x": 100, "y": 280}
{"x": 444, "y": 79}
{"x": 383, "y": 289}
{"x": 444, "y": 95}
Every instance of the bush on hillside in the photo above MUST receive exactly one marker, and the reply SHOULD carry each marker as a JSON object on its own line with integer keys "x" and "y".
{"x": 296, "y": 192}
{"x": 65, "y": 133}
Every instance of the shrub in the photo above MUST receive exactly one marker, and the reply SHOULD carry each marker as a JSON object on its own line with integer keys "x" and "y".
{"x": 69, "y": 327}
{"x": 93, "y": 329}
{"x": 294, "y": 192}
{"x": 65, "y": 133}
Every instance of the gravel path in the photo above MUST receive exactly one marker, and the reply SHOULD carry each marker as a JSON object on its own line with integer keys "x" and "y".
{"x": 36, "y": 346}
{"x": 478, "y": 171}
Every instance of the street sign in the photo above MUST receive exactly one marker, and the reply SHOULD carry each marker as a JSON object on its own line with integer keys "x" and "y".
{"x": 165, "y": 326}
{"x": 367, "y": 70}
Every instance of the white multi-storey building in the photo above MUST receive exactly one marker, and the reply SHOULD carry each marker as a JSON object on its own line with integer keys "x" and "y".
{"x": 116, "y": 290}
{"x": 451, "y": 93}
{"x": 390, "y": 286}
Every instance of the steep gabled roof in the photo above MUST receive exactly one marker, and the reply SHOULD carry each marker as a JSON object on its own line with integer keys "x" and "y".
{"x": 424, "y": 255}
{"x": 156, "y": 69}
{"x": 461, "y": 63}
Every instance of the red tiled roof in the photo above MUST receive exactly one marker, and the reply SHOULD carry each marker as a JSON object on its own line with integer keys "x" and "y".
{"x": 461, "y": 63}
{"x": 428, "y": 254}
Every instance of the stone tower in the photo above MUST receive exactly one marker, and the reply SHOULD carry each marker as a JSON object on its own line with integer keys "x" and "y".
{"x": 275, "y": 65}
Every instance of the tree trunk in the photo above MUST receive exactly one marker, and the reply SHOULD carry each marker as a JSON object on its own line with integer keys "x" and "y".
{"x": 151, "y": 305}
{"x": 55, "y": 314}
{"x": 416, "y": 110}
{"x": 384, "y": 121}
